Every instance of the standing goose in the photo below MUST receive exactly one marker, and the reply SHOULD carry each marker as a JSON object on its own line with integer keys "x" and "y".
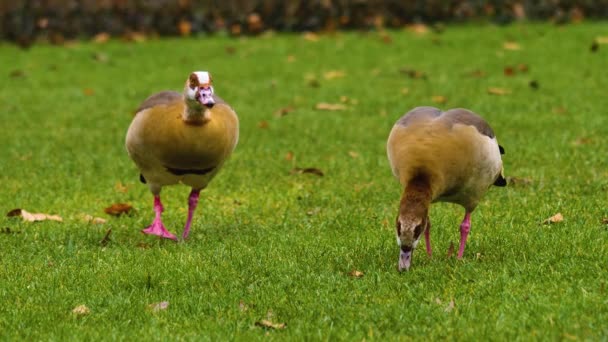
{"x": 450, "y": 156}
{"x": 181, "y": 138}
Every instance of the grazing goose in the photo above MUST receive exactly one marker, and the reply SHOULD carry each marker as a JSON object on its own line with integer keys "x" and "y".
{"x": 181, "y": 138}
{"x": 450, "y": 156}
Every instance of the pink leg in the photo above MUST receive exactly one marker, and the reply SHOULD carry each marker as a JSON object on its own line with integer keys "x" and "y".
{"x": 192, "y": 203}
{"x": 427, "y": 238}
{"x": 157, "y": 227}
{"x": 465, "y": 227}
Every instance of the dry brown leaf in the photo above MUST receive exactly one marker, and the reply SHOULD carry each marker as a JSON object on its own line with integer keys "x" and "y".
{"x": 498, "y": 91}
{"x": 604, "y": 221}
{"x": 439, "y": 99}
{"x": 289, "y": 156}
{"x": 582, "y": 141}
{"x": 263, "y": 124}
{"x": 333, "y": 74}
{"x": 355, "y": 274}
{"x": 451, "y": 250}
{"x": 118, "y": 209}
{"x": 509, "y": 71}
{"x": 106, "y": 238}
{"x": 521, "y": 67}
{"x": 284, "y": 111}
{"x": 33, "y": 217}
{"x": 554, "y": 219}
{"x": 512, "y": 46}
{"x": 267, "y": 324}
{"x": 330, "y": 106}
{"x": 353, "y": 154}
{"x": 81, "y": 310}
{"x": 101, "y": 37}
{"x": 156, "y": 307}
{"x": 311, "y": 170}
{"x": 310, "y": 36}
{"x": 418, "y": 28}
{"x": 88, "y": 91}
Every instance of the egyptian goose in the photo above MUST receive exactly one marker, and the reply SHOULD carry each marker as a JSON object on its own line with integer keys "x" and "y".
{"x": 450, "y": 156}
{"x": 181, "y": 138}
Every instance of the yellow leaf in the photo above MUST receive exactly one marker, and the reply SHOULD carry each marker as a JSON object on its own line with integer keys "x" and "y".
{"x": 498, "y": 91}
{"x": 355, "y": 274}
{"x": 265, "y": 323}
{"x": 330, "y": 106}
{"x": 333, "y": 74}
{"x": 512, "y": 46}
{"x": 439, "y": 99}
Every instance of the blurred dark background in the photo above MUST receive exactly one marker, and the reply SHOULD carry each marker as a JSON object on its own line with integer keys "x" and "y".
{"x": 28, "y": 21}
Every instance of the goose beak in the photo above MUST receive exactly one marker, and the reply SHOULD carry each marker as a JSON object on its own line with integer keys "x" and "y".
{"x": 205, "y": 96}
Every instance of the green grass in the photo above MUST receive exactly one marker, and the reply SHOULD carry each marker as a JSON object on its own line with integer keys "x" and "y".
{"x": 284, "y": 243}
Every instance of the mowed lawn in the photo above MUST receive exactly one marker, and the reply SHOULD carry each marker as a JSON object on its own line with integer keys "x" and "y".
{"x": 271, "y": 244}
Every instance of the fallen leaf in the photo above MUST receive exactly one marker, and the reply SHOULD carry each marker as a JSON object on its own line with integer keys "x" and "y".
{"x": 330, "y": 106}
{"x": 582, "y": 141}
{"x": 313, "y": 211}
{"x": 94, "y": 220}
{"x": 33, "y": 217}
{"x": 156, "y": 307}
{"x": 477, "y": 73}
{"x": 405, "y": 91}
{"x": 512, "y": 46}
{"x": 88, "y": 91}
{"x": 311, "y": 170}
{"x": 554, "y": 219}
{"x": 310, "y": 36}
{"x": 118, "y": 209}
{"x": 333, "y": 74}
{"x": 263, "y": 124}
{"x": 385, "y": 37}
{"x": 439, "y": 99}
{"x": 498, "y": 91}
{"x": 521, "y": 67}
{"x": 17, "y": 73}
{"x": 101, "y": 37}
{"x": 534, "y": 84}
{"x": 450, "y": 306}
{"x": 267, "y": 324}
{"x": 604, "y": 221}
{"x": 412, "y": 73}
{"x": 106, "y": 238}
{"x": 509, "y": 71}
{"x": 289, "y": 156}
{"x": 284, "y": 111}
{"x": 291, "y": 59}
{"x": 231, "y": 50}
{"x": 353, "y": 154}
{"x": 418, "y": 28}
{"x": 517, "y": 181}
{"x": 81, "y": 310}
{"x": 355, "y": 274}
{"x": 438, "y": 301}
{"x": 451, "y": 250}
